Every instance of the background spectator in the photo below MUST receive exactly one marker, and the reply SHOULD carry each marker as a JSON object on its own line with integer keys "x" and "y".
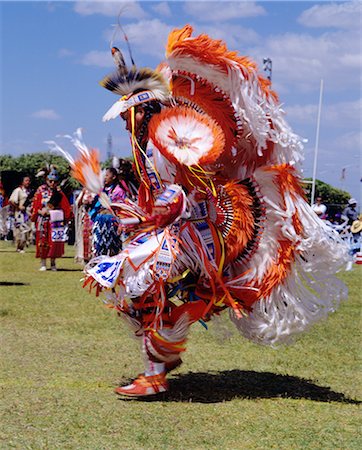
{"x": 48, "y": 244}
{"x": 20, "y": 204}
{"x": 351, "y": 211}
{"x": 319, "y": 208}
{"x": 105, "y": 237}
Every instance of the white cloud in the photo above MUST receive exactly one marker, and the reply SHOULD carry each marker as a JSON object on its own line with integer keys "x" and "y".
{"x": 353, "y": 60}
{"x": 151, "y": 42}
{"x": 344, "y": 15}
{"x": 235, "y": 36}
{"x": 302, "y": 60}
{"x": 162, "y": 8}
{"x": 98, "y": 58}
{"x": 65, "y": 53}
{"x": 206, "y": 11}
{"x": 48, "y": 114}
{"x": 158, "y": 31}
{"x": 350, "y": 141}
{"x": 337, "y": 115}
{"x": 344, "y": 113}
{"x": 129, "y": 9}
{"x": 302, "y": 113}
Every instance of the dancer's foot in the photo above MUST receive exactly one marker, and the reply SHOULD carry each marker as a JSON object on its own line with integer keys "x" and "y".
{"x": 143, "y": 386}
{"x": 173, "y": 365}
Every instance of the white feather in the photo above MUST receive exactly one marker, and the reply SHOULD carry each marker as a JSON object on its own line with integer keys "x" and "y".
{"x": 115, "y": 110}
{"x": 54, "y": 147}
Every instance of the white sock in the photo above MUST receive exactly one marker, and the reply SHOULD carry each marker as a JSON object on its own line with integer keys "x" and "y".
{"x": 153, "y": 368}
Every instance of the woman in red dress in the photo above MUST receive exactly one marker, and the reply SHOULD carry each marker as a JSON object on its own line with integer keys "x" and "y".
{"x": 51, "y": 209}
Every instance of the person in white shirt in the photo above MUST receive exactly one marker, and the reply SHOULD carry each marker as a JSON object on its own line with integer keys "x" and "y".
{"x": 319, "y": 208}
{"x": 21, "y": 229}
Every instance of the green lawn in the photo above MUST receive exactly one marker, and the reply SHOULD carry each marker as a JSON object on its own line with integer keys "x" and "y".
{"x": 63, "y": 352}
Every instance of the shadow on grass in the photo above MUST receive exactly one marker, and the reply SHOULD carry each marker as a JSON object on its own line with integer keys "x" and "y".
{"x": 13, "y": 283}
{"x": 12, "y": 250}
{"x": 68, "y": 270}
{"x": 206, "y": 387}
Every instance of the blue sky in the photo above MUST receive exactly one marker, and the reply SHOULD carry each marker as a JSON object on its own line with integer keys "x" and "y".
{"x": 54, "y": 53}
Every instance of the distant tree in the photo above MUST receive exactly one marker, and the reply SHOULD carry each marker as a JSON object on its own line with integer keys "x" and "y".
{"x": 31, "y": 163}
{"x": 329, "y": 194}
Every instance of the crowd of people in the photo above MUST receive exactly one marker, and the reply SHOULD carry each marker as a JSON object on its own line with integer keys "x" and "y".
{"x": 45, "y": 216}
{"x": 347, "y": 222}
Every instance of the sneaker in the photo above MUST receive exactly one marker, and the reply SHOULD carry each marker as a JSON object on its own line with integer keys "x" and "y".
{"x": 22, "y": 251}
{"x": 53, "y": 268}
{"x": 143, "y": 386}
{"x": 173, "y": 365}
{"x": 42, "y": 269}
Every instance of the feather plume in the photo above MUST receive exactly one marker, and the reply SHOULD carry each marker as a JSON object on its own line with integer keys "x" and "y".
{"x": 86, "y": 168}
{"x": 186, "y": 136}
{"x": 179, "y": 331}
{"x": 142, "y": 79}
{"x": 266, "y": 139}
{"x": 119, "y": 60}
{"x": 115, "y": 110}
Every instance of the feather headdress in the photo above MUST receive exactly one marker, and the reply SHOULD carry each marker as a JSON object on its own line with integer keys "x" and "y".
{"x": 135, "y": 86}
{"x": 227, "y": 87}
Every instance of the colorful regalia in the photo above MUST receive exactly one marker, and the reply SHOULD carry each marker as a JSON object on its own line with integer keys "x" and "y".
{"x": 221, "y": 222}
{"x": 83, "y": 227}
{"x": 106, "y": 239}
{"x": 48, "y": 242}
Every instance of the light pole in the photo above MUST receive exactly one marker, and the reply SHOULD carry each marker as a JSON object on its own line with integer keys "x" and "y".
{"x": 109, "y": 146}
{"x": 268, "y": 68}
{"x": 316, "y": 144}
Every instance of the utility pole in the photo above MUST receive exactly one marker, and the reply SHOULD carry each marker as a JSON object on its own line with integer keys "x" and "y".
{"x": 109, "y": 146}
{"x": 268, "y": 68}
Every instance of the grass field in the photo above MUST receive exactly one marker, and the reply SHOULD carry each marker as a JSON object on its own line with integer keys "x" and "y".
{"x": 63, "y": 352}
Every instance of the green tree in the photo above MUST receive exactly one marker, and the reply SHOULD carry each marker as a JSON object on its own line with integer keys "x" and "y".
{"x": 32, "y": 163}
{"x": 329, "y": 194}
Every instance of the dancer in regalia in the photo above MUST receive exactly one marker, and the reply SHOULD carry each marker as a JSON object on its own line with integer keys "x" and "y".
{"x": 51, "y": 209}
{"x": 221, "y": 221}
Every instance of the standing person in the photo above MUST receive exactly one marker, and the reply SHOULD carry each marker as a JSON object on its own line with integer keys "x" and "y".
{"x": 106, "y": 239}
{"x": 128, "y": 179}
{"x": 2, "y": 195}
{"x": 4, "y": 208}
{"x": 351, "y": 214}
{"x": 221, "y": 221}
{"x": 48, "y": 244}
{"x": 83, "y": 226}
{"x": 19, "y": 200}
{"x": 319, "y": 208}
{"x": 350, "y": 211}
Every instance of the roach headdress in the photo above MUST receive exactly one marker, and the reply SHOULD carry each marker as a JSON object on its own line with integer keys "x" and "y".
{"x": 135, "y": 86}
